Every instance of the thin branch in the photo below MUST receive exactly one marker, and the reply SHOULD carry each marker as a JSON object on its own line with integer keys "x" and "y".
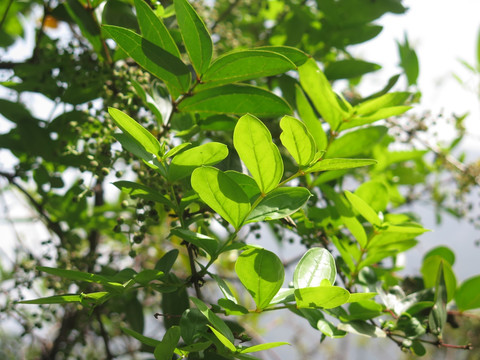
{"x": 224, "y": 14}
{"x": 104, "y": 335}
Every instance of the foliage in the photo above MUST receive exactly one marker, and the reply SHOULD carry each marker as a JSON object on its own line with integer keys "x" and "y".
{"x": 211, "y": 129}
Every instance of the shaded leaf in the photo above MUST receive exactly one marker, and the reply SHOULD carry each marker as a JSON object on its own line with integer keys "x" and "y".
{"x": 217, "y": 323}
{"x": 348, "y": 69}
{"x": 207, "y": 243}
{"x": 142, "y": 192}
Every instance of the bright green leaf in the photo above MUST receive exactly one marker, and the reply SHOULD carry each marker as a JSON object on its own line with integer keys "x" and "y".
{"x": 356, "y": 142}
{"x": 321, "y": 297}
{"x": 363, "y": 208}
{"x": 254, "y": 145}
{"x": 235, "y": 99}
{"x": 316, "y": 85}
{"x": 67, "y": 298}
{"x": 223, "y": 339}
{"x": 295, "y": 55}
{"x": 184, "y": 163}
{"x": 429, "y": 272}
{"x": 244, "y": 65}
{"x": 247, "y": 183}
{"x": 195, "y": 36}
{"x": 355, "y": 297}
{"x": 222, "y": 194}
{"x": 262, "y": 274}
{"x": 316, "y": 265}
{"x": 279, "y": 203}
{"x": 298, "y": 140}
{"x": 467, "y": 296}
{"x": 338, "y": 164}
{"x": 261, "y": 347}
{"x": 444, "y": 252}
{"x": 362, "y": 328}
{"x": 438, "y": 315}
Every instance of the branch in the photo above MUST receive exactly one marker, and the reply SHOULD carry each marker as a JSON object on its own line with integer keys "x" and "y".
{"x": 224, "y": 14}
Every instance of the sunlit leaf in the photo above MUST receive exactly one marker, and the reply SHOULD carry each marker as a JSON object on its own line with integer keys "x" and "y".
{"x": 321, "y": 297}
{"x": 316, "y": 265}
{"x": 298, "y": 140}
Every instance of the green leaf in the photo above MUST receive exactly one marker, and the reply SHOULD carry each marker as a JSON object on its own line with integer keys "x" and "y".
{"x": 247, "y": 183}
{"x": 316, "y": 265}
{"x": 317, "y": 87}
{"x": 177, "y": 149}
{"x": 82, "y": 276}
{"x": 261, "y": 347}
{"x": 143, "y": 339}
{"x": 355, "y": 297}
{"x": 262, "y": 274}
{"x": 153, "y": 28}
{"x": 119, "y": 13}
{"x": 224, "y": 288}
{"x": 222, "y": 194}
{"x": 184, "y": 163}
{"x": 232, "y": 308}
{"x": 244, "y": 65}
{"x": 408, "y": 61}
{"x": 136, "y": 131}
{"x": 217, "y": 323}
{"x": 444, "y": 252}
{"x": 418, "y": 348}
{"x": 326, "y": 297}
{"x": 166, "y": 261}
{"x": 142, "y": 192}
{"x": 133, "y": 146}
{"x": 153, "y": 58}
{"x": 411, "y": 326}
{"x": 67, "y": 298}
{"x": 438, "y": 315}
{"x": 338, "y": 164}
{"x": 330, "y": 330}
{"x": 223, "y": 339}
{"x": 147, "y": 275}
{"x": 348, "y": 69}
{"x": 381, "y": 114}
{"x": 279, "y": 203}
{"x": 356, "y": 142}
{"x": 164, "y": 350}
{"x": 192, "y": 324}
{"x": 363, "y": 310}
{"x": 284, "y": 295}
{"x": 236, "y": 99}
{"x": 308, "y": 116}
{"x": 363, "y": 208}
{"x": 195, "y": 36}
{"x": 384, "y": 101}
{"x": 295, "y": 55}
{"x": 254, "y": 145}
{"x": 362, "y": 328}
{"x": 467, "y": 296}
{"x": 375, "y": 193}
{"x": 430, "y": 275}
{"x": 210, "y": 245}
{"x": 298, "y": 140}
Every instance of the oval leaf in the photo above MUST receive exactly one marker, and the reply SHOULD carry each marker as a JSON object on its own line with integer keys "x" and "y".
{"x": 222, "y": 194}
{"x": 316, "y": 265}
{"x": 195, "y": 36}
{"x": 184, "y": 163}
{"x": 245, "y": 65}
{"x": 467, "y": 296}
{"x": 254, "y": 145}
{"x": 262, "y": 274}
{"x": 326, "y": 297}
{"x": 236, "y": 99}
{"x": 279, "y": 203}
{"x": 298, "y": 140}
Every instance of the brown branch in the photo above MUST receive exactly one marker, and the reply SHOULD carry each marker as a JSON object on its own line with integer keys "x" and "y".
{"x": 464, "y": 314}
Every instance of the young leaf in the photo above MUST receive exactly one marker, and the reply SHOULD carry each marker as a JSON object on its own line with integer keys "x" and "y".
{"x": 383, "y": 113}
{"x": 184, "y": 163}
{"x": 262, "y": 274}
{"x": 261, "y": 347}
{"x": 236, "y": 99}
{"x": 153, "y": 58}
{"x": 467, "y": 296}
{"x": 164, "y": 350}
{"x": 217, "y": 323}
{"x": 244, "y": 65}
{"x": 318, "y": 88}
{"x": 279, "y": 203}
{"x": 142, "y": 192}
{"x": 298, "y": 140}
{"x": 195, "y": 36}
{"x": 254, "y": 145}
{"x": 438, "y": 314}
{"x": 204, "y": 242}
{"x": 222, "y": 194}
{"x": 316, "y": 265}
{"x": 326, "y": 297}
{"x": 363, "y": 208}
{"x": 136, "y": 131}
{"x": 355, "y": 297}
{"x": 384, "y": 101}
{"x": 308, "y": 116}
{"x": 338, "y": 164}
{"x": 223, "y": 339}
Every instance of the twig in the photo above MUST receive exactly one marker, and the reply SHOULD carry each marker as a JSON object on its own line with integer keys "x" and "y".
{"x": 104, "y": 335}
{"x": 224, "y": 14}
{"x": 464, "y": 314}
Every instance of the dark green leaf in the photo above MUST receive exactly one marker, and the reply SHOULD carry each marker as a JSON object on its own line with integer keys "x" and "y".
{"x": 467, "y": 296}
{"x": 164, "y": 350}
{"x": 444, "y": 252}
{"x": 167, "y": 261}
{"x": 213, "y": 319}
{"x": 438, "y": 314}
{"x": 429, "y": 271}
{"x": 348, "y": 69}
{"x": 142, "y": 192}
{"x": 174, "y": 303}
{"x": 143, "y": 339}
{"x": 204, "y": 242}
{"x": 68, "y": 298}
